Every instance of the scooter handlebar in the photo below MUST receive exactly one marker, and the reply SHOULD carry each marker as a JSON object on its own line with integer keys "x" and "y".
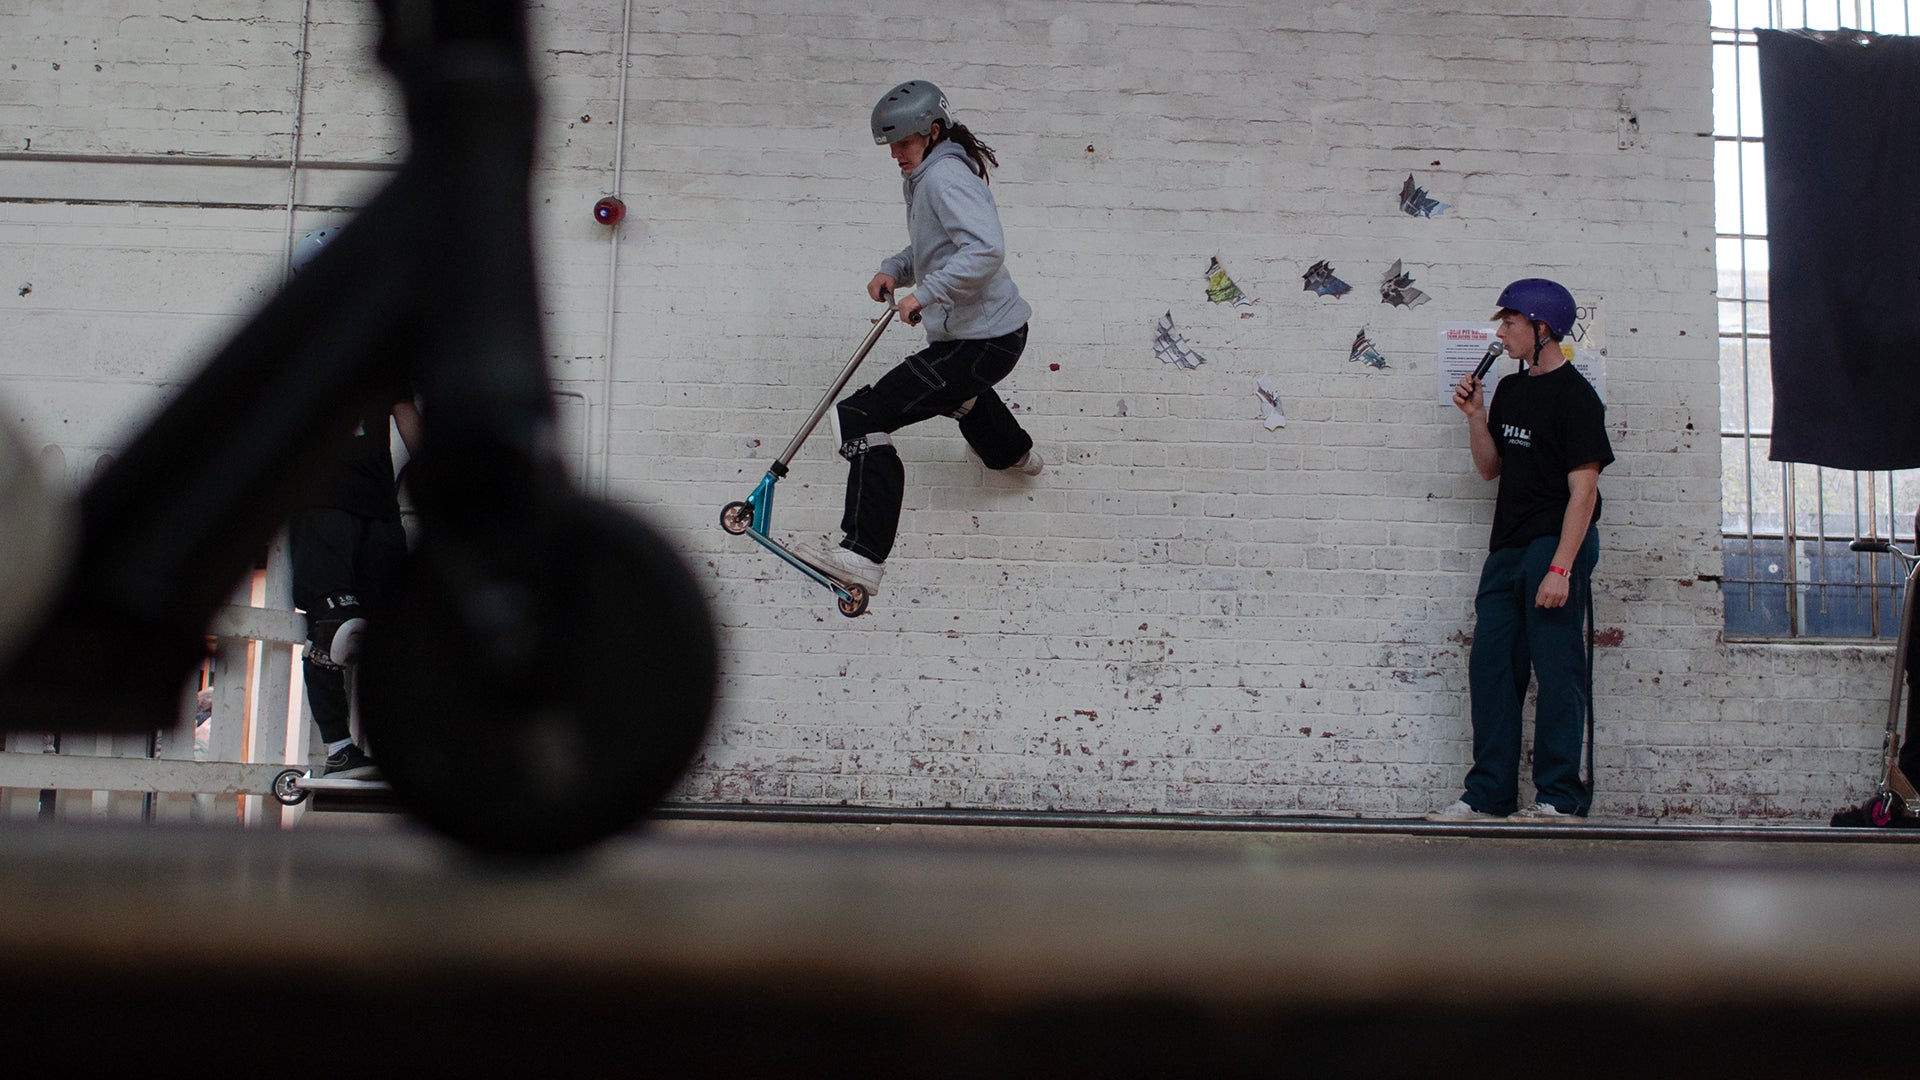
{"x": 887, "y": 295}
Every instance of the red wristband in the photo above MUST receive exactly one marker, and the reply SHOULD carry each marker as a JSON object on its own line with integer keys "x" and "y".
{"x": 1561, "y": 570}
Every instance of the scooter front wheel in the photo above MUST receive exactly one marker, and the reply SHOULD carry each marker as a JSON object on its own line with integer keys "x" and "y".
{"x": 736, "y": 517}
{"x": 1885, "y": 810}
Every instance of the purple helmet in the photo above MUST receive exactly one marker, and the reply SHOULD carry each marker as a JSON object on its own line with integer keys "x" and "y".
{"x": 1540, "y": 300}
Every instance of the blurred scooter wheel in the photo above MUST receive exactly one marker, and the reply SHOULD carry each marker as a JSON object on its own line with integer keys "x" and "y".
{"x": 538, "y": 713}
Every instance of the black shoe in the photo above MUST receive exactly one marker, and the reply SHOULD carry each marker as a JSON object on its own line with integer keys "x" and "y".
{"x": 351, "y": 763}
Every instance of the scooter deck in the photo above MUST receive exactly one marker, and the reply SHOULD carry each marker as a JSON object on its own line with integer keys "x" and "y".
{"x": 851, "y": 595}
{"x": 322, "y": 794}
{"x": 828, "y": 574}
{"x": 339, "y": 786}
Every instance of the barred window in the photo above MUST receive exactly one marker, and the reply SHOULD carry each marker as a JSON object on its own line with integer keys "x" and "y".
{"x": 1787, "y": 572}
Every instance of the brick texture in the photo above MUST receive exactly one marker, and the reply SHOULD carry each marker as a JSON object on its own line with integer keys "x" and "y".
{"x": 1187, "y": 612}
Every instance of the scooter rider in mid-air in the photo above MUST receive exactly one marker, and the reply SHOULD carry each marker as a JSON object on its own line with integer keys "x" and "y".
{"x": 975, "y": 320}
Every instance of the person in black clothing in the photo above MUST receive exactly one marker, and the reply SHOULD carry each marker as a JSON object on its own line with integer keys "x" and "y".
{"x": 347, "y": 547}
{"x": 1545, "y": 439}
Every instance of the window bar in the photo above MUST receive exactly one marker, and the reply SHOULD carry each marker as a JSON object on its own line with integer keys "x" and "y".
{"x": 1746, "y": 442}
{"x": 1820, "y": 532}
{"x": 1873, "y": 614}
{"x": 1885, "y": 618}
{"x": 1789, "y": 565}
{"x": 1746, "y": 370}
{"x": 1897, "y": 581}
{"x": 1891, "y": 561}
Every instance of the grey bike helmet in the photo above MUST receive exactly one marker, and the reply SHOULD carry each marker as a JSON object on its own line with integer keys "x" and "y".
{"x": 912, "y": 108}
{"x": 307, "y": 248}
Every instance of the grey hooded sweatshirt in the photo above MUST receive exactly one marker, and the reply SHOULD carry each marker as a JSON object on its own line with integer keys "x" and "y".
{"x": 957, "y": 257}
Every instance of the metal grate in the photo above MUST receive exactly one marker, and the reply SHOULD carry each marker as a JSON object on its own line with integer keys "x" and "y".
{"x": 1787, "y": 573}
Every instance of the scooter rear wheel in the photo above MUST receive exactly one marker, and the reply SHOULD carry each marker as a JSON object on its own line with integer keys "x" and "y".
{"x": 737, "y": 517}
{"x": 1886, "y": 810}
{"x": 854, "y": 604}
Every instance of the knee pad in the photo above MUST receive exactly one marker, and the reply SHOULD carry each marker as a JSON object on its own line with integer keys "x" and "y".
{"x": 334, "y": 630}
{"x": 861, "y": 444}
{"x": 846, "y": 433}
{"x": 833, "y": 417}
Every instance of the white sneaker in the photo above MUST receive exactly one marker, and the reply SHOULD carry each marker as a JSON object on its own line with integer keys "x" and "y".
{"x": 1030, "y": 464}
{"x": 1458, "y": 810}
{"x": 849, "y": 566}
{"x": 1546, "y": 813}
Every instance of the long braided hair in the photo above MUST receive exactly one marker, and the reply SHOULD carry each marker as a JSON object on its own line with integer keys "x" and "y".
{"x": 979, "y": 154}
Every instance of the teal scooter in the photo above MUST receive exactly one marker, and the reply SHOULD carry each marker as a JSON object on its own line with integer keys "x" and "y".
{"x": 753, "y": 516}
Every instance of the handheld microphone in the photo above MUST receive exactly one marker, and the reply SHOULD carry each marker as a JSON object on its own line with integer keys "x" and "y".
{"x": 1486, "y": 362}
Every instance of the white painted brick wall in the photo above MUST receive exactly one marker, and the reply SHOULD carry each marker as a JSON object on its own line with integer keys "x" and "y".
{"x": 1187, "y": 612}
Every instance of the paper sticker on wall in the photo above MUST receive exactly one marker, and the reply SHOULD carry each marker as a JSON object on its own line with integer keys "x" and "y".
{"x": 1321, "y": 282}
{"x": 1365, "y": 351}
{"x": 1172, "y": 348}
{"x": 1414, "y": 201}
{"x": 1221, "y": 288}
{"x": 1269, "y": 396}
{"x": 1396, "y": 288}
{"x": 1458, "y": 350}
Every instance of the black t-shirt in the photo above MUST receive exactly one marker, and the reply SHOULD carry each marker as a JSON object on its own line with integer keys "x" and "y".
{"x": 360, "y": 481}
{"x": 1544, "y": 427}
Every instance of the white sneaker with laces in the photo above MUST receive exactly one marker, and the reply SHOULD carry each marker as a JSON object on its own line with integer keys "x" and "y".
{"x": 1541, "y": 812}
{"x": 1458, "y": 810}
{"x": 851, "y": 566}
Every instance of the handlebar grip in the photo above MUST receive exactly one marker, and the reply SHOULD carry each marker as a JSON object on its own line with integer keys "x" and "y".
{"x": 887, "y": 296}
{"x": 1870, "y": 544}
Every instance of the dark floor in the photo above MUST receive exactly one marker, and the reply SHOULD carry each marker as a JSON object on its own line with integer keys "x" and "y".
{"x": 707, "y": 948}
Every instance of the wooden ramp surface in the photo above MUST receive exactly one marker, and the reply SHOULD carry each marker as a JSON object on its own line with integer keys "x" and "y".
{"x": 750, "y": 949}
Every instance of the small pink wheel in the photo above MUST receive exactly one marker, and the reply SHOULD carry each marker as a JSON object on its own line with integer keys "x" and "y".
{"x": 1885, "y": 810}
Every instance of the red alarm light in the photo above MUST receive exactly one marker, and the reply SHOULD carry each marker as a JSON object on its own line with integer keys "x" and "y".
{"x": 609, "y": 211}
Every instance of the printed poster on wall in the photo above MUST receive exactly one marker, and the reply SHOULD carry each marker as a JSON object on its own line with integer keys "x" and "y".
{"x": 1459, "y": 347}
